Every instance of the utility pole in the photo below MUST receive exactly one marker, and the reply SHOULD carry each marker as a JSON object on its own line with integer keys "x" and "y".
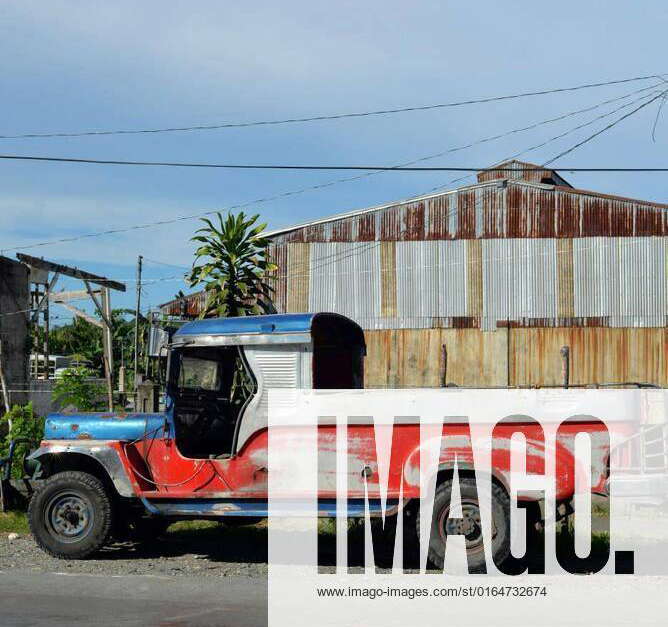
{"x": 107, "y": 345}
{"x": 139, "y": 262}
{"x": 45, "y": 350}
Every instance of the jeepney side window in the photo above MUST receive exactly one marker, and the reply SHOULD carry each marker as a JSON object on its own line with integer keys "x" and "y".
{"x": 211, "y": 388}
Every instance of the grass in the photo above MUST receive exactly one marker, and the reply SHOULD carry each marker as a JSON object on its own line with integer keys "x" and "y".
{"x": 13, "y": 522}
{"x": 184, "y": 527}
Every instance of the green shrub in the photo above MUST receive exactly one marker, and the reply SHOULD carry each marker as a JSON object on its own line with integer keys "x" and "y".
{"x": 76, "y": 388}
{"x": 24, "y": 424}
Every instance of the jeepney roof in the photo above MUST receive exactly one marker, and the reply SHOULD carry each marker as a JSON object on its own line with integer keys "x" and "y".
{"x": 269, "y": 325}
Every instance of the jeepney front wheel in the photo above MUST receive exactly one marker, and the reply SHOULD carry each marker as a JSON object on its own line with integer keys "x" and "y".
{"x": 469, "y": 525}
{"x": 70, "y": 517}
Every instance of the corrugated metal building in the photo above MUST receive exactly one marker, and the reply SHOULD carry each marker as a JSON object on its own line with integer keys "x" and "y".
{"x": 501, "y": 273}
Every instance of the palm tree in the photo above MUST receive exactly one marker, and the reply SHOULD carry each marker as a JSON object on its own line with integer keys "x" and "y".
{"x": 235, "y": 267}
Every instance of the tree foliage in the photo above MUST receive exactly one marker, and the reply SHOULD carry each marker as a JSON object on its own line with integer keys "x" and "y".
{"x": 24, "y": 424}
{"x": 76, "y": 388}
{"x": 234, "y": 268}
{"x": 80, "y": 338}
{"x": 83, "y": 340}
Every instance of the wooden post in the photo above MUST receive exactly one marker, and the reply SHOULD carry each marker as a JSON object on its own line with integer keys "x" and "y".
{"x": 565, "y": 365}
{"x": 45, "y": 349}
{"x": 108, "y": 347}
{"x": 444, "y": 365}
{"x": 137, "y": 309}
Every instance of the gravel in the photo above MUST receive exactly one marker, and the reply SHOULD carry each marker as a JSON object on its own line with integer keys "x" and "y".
{"x": 204, "y": 549}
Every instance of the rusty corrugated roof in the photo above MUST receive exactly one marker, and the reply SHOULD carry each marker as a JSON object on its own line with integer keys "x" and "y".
{"x": 492, "y": 208}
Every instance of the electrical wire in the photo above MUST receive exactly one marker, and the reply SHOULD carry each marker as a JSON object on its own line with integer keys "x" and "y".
{"x": 163, "y": 263}
{"x": 560, "y": 136}
{"x": 604, "y": 129}
{"x": 401, "y": 168}
{"x": 384, "y": 168}
{"x": 337, "y": 116}
{"x": 288, "y": 193}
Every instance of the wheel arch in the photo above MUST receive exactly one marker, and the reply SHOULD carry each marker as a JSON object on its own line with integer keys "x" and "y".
{"x": 102, "y": 462}
{"x": 447, "y": 471}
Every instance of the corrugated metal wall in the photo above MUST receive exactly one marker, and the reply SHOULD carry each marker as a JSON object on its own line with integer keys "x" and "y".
{"x": 599, "y": 281}
{"x": 502, "y": 274}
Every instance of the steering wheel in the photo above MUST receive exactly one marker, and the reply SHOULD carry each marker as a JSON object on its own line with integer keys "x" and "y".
{"x": 210, "y": 410}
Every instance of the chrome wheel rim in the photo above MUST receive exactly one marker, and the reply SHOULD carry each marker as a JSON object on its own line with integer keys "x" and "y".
{"x": 469, "y": 525}
{"x": 69, "y": 516}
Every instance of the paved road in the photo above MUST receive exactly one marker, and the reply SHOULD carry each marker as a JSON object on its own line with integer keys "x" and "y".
{"x": 54, "y": 599}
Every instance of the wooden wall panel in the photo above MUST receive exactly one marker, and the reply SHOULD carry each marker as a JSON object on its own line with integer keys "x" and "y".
{"x": 388, "y": 279}
{"x": 517, "y": 356}
{"x": 298, "y": 277}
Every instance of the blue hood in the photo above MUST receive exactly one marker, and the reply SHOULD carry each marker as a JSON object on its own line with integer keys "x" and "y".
{"x": 117, "y": 426}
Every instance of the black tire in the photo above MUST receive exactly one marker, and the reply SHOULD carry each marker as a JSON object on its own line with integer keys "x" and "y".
{"x": 475, "y": 550}
{"x": 70, "y": 517}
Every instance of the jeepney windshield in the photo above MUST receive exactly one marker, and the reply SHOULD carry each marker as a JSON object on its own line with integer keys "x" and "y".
{"x": 199, "y": 373}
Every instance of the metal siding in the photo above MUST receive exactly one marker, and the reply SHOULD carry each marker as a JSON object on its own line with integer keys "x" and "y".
{"x": 519, "y": 280}
{"x": 622, "y": 279}
{"x": 516, "y": 226}
{"x": 494, "y": 212}
{"x": 417, "y": 282}
{"x": 642, "y": 299}
{"x": 274, "y": 367}
{"x": 437, "y": 217}
{"x": 519, "y": 170}
{"x": 499, "y": 208}
{"x": 596, "y": 274}
{"x": 345, "y": 279}
{"x": 452, "y": 275}
{"x": 431, "y": 282}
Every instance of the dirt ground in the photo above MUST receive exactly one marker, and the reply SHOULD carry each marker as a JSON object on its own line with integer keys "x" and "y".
{"x": 205, "y": 549}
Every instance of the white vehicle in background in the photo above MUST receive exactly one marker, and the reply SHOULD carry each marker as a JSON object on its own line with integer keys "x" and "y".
{"x": 57, "y": 364}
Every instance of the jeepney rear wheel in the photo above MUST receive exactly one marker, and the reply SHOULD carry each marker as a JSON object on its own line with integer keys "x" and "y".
{"x": 70, "y": 517}
{"x": 470, "y": 526}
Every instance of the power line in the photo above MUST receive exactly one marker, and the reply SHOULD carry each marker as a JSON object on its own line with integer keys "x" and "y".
{"x": 535, "y": 125}
{"x": 605, "y": 128}
{"x": 398, "y": 168}
{"x": 560, "y": 136}
{"x": 491, "y": 138}
{"x": 163, "y": 263}
{"x": 366, "y": 174}
{"x": 383, "y": 168}
{"x": 337, "y": 116}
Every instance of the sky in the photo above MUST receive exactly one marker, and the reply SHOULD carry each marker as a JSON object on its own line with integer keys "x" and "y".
{"x": 75, "y": 65}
